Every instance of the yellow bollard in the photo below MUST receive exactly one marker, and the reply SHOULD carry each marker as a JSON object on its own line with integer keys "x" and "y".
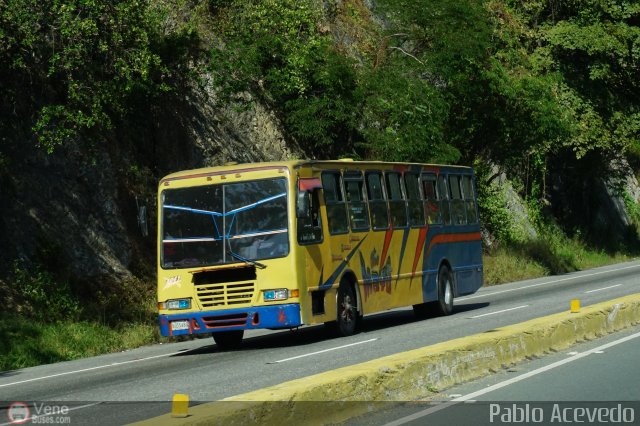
{"x": 180, "y": 406}
{"x": 575, "y": 306}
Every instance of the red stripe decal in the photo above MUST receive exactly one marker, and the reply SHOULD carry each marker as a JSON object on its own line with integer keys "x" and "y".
{"x": 421, "y": 237}
{"x": 385, "y": 248}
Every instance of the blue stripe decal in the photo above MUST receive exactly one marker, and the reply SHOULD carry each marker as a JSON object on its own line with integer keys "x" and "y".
{"x": 229, "y": 213}
{"x": 189, "y": 209}
{"x": 257, "y": 203}
{"x": 321, "y": 277}
{"x": 331, "y": 280}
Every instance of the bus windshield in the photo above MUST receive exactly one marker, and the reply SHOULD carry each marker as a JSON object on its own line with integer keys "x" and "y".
{"x": 224, "y": 223}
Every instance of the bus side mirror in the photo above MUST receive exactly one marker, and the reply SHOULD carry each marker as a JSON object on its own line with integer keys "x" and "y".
{"x": 303, "y": 208}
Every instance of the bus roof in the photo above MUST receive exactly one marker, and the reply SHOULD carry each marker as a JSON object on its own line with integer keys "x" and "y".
{"x": 294, "y": 164}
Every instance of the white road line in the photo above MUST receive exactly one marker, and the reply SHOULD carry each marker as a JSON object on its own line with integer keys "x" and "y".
{"x": 603, "y": 288}
{"x": 323, "y": 351}
{"x": 473, "y": 395}
{"x": 59, "y": 403}
{"x": 498, "y": 312}
{"x": 87, "y": 369}
{"x": 544, "y": 283}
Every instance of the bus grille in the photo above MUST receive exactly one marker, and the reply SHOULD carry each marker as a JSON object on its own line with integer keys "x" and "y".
{"x": 224, "y": 294}
{"x": 233, "y": 320}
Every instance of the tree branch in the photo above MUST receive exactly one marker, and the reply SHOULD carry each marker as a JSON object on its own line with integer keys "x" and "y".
{"x": 407, "y": 53}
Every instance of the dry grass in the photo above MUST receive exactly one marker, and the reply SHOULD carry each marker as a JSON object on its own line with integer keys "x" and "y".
{"x": 506, "y": 266}
{"x": 534, "y": 259}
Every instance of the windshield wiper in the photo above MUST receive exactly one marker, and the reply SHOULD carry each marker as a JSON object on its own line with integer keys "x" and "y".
{"x": 245, "y": 260}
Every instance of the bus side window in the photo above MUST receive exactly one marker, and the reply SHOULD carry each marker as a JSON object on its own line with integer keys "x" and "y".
{"x": 431, "y": 200}
{"x": 469, "y": 194}
{"x": 458, "y": 214}
{"x": 443, "y": 197}
{"x": 357, "y": 206}
{"x": 377, "y": 203}
{"x": 310, "y": 228}
{"x": 334, "y": 200}
{"x": 397, "y": 205}
{"x": 415, "y": 207}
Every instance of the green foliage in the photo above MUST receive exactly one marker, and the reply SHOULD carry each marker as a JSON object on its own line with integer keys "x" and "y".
{"x": 495, "y": 214}
{"x": 26, "y": 343}
{"x": 275, "y": 50}
{"x": 42, "y": 296}
{"x": 593, "y": 48}
{"x": 564, "y": 93}
{"x": 418, "y": 101}
{"x": 324, "y": 114}
{"x": 392, "y": 107}
{"x": 75, "y": 66}
{"x": 551, "y": 253}
{"x": 267, "y": 45}
{"x": 403, "y": 118}
{"x": 452, "y": 37}
{"x": 633, "y": 208}
{"x": 547, "y": 91}
{"x": 128, "y": 300}
{"x": 599, "y": 68}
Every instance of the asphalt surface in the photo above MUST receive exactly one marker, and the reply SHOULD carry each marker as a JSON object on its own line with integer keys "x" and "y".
{"x": 596, "y": 382}
{"x": 133, "y": 385}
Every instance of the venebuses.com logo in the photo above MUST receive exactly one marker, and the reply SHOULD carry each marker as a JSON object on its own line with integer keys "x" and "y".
{"x": 18, "y": 413}
{"x": 38, "y": 413}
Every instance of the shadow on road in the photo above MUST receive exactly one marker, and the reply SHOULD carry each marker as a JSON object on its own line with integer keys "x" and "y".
{"x": 317, "y": 333}
{"x": 469, "y": 307}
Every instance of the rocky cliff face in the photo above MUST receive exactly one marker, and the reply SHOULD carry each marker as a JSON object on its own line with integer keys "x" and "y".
{"x": 58, "y": 210}
{"x": 79, "y": 217}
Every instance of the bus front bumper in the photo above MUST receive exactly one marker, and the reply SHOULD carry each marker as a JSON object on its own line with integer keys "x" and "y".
{"x": 276, "y": 316}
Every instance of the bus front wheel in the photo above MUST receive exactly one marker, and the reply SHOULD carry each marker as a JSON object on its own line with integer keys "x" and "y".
{"x": 228, "y": 339}
{"x": 347, "y": 316}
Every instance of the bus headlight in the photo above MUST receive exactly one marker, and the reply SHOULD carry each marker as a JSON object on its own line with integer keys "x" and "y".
{"x": 276, "y": 294}
{"x": 279, "y": 294}
{"x": 176, "y": 304}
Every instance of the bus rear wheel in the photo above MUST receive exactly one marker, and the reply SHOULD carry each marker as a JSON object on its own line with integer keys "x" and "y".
{"x": 444, "y": 305}
{"x": 228, "y": 339}
{"x": 347, "y": 316}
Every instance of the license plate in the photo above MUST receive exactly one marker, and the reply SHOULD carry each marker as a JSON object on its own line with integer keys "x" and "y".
{"x": 179, "y": 325}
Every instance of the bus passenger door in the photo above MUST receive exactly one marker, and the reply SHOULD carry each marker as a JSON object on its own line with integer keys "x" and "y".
{"x": 310, "y": 236}
{"x": 336, "y": 247}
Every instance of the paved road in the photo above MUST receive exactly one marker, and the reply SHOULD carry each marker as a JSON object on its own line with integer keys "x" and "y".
{"x": 199, "y": 369}
{"x": 592, "y": 383}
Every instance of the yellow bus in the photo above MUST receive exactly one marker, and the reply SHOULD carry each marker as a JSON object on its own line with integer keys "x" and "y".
{"x": 282, "y": 244}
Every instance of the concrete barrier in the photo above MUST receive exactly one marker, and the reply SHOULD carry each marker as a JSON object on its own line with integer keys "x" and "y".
{"x": 340, "y": 394}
